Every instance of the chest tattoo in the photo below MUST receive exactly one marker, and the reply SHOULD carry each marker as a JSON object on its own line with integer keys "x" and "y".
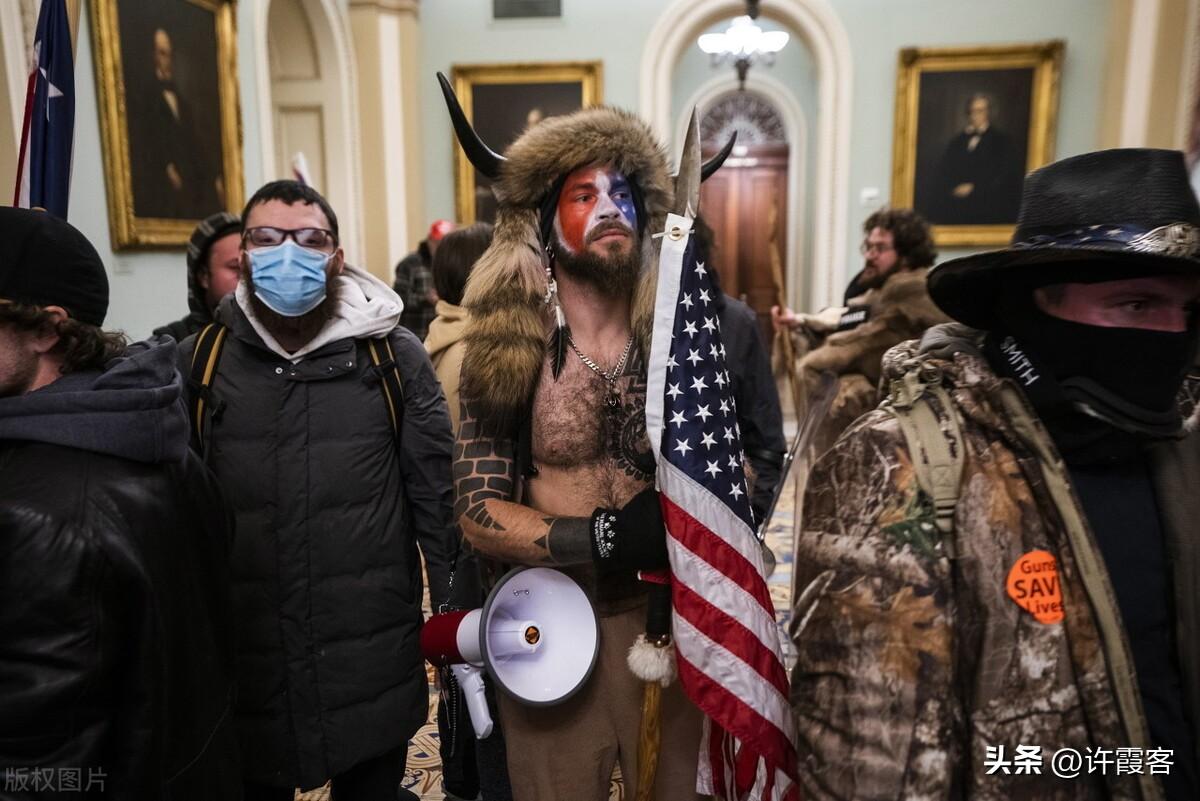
{"x": 625, "y": 427}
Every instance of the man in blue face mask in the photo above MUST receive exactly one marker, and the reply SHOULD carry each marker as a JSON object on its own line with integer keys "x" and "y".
{"x": 334, "y": 483}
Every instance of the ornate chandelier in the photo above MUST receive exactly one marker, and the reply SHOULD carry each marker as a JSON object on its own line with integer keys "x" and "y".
{"x": 743, "y": 44}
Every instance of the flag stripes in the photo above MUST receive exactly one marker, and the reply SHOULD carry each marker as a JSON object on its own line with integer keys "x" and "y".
{"x": 727, "y": 644}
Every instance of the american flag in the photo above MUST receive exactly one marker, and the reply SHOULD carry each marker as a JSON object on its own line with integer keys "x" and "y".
{"x": 48, "y": 133}
{"x": 723, "y": 620}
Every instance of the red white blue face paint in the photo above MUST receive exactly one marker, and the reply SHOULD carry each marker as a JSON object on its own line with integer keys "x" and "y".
{"x": 595, "y": 207}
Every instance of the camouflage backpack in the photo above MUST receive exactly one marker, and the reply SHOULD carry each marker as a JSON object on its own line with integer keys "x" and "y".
{"x": 934, "y": 442}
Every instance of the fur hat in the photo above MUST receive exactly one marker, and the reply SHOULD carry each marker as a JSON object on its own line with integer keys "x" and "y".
{"x": 507, "y": 336}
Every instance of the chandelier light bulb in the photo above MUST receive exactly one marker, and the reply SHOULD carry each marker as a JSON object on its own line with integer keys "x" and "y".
{"x": 743, "y": 38}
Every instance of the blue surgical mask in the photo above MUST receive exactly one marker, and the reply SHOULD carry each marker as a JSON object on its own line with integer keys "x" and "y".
{"x": 288, "y": 278}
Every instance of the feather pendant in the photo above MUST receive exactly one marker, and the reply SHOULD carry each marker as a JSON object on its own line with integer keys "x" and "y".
{"x": 558, "y": 342}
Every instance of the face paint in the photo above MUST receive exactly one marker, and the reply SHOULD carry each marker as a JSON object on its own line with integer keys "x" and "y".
{"x": 595, "y": 203}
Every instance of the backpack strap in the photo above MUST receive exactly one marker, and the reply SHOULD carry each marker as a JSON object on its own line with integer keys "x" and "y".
{"x": 203, "y": 407}
{"x": 934, "y": 442}
{"x": 388, "y": 372}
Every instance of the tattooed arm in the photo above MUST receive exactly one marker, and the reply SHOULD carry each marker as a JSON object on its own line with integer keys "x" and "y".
{"x": 485, "y": 486}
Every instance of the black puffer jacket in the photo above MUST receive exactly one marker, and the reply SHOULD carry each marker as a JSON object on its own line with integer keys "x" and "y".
{"x": 758, "y": 412}
{"x": 327, "y": 577}
{"x": 115, "y": 629}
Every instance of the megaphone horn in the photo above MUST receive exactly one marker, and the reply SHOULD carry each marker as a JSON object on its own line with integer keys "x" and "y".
{"x": 537, "y": 636}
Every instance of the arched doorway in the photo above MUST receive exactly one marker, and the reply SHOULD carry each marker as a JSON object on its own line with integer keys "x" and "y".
{"x": 746, "y": 201}
{"x": 307, "y": 82}
{"x": 815, "y": 22}
{"x": 796, "y": 257}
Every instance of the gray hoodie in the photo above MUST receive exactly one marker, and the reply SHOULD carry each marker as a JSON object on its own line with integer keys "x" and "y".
{"x": 133, "y": 408}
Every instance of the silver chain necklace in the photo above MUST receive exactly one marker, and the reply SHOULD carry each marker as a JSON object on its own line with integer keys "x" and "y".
{"x": 613, "y": 398}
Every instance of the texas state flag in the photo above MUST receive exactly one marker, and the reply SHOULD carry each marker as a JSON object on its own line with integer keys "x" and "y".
{"x": 47, "y": 138}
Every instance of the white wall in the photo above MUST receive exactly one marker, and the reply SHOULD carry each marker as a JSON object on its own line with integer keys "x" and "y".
{"x": 879, "y": 28}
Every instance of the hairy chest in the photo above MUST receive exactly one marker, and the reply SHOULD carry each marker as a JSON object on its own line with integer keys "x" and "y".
{"x": 578, "y": 422}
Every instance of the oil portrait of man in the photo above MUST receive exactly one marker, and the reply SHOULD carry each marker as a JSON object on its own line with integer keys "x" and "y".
{"x": 169, "y": 64}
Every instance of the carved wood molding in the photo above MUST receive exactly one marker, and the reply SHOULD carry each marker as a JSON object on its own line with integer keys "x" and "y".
{"x": 756, "y": 121}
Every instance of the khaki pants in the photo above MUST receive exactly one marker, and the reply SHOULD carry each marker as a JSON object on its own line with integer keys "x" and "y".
{"x": 567, "y": 752}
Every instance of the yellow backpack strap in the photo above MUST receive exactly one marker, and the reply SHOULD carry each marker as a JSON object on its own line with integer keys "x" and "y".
{"x": 388, "y": 373}
{"x": 205, "y": 354}
{"x": 935, "y": 442}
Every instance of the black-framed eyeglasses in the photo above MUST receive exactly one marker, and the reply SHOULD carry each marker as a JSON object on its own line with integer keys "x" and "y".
{"x": 265, "y": 236}
{"x": 874, "y": 247}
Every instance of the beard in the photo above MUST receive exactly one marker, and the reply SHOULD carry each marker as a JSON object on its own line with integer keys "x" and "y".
{"x": 298, "y": 329}
{"x": 875, "y": 277}
{"x": 614, "y": 273}
{"x": 17, "y": 372}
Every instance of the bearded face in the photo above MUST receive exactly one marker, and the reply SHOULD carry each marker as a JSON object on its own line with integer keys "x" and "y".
{"x": 303, "y": 328}
{"x": 595, "y": 226}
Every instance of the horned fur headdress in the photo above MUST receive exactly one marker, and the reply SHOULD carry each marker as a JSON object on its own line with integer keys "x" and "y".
{"x": 506, "y": 292}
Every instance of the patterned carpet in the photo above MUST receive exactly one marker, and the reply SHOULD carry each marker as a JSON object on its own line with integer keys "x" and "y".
{"x": 424, "y": 775}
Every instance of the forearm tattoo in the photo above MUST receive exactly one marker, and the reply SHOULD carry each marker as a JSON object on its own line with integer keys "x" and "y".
{"x": 568, "y": 542}
{"x": 483, "y": 471}
{"x": 485, "y": 483}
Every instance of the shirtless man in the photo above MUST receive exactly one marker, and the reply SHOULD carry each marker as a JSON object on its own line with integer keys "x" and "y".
{"x": 575, "y": 411}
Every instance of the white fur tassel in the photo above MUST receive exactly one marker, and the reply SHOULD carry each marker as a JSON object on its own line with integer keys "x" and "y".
{"x": 650, "y": 662}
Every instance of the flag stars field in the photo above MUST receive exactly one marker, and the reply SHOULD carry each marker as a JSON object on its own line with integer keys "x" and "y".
{"x": 709, "y": 522}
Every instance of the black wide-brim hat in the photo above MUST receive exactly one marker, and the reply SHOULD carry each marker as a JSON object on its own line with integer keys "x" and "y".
{"x": 1101, "y": 216}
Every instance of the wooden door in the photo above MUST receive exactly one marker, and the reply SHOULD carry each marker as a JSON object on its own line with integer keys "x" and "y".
{"x": 745, "y": 203}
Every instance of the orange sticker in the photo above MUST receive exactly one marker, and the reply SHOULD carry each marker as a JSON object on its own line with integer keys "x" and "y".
{"x": 1033, "y": 584}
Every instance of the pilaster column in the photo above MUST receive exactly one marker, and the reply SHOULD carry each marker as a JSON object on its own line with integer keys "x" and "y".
{"x": 1150, "y": 72}
{"x": 386, "y": 52}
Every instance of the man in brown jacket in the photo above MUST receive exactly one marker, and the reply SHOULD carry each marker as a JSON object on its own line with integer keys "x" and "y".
{"x": 886, "y": 303}
{"x": 1000, "y": 565}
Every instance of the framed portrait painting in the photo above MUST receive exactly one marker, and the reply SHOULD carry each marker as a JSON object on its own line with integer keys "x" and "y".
{"x": 169, "y": 125}
{"x": 501, "y": 101}
{"x": 970, "y": 123}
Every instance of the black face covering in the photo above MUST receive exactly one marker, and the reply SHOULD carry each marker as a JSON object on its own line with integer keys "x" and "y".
{"x": 1102, "y": 392}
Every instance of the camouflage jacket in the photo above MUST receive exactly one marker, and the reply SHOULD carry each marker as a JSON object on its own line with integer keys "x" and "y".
{"x": 911, "y": 664}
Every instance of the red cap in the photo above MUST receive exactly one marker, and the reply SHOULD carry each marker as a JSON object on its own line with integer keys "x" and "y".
{"x": 439, "y": 639}
{"x": 439, "y": 229}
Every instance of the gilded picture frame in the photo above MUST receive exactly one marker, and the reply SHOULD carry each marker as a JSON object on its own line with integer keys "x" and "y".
{"x": 501, "y": 100}
{"x": 970, "y": 123}
{"x": 166, "y": 80}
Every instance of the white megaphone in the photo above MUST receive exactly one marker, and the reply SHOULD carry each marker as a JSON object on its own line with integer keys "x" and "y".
{"x": 536, "y": 635}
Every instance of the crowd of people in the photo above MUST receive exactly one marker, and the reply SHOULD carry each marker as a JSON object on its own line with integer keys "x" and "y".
{"x": 216, "y": 542}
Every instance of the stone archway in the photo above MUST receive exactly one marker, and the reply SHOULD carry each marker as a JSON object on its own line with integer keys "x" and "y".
{"x": 815, "y": 22}
{"x": 796, "y": 131}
